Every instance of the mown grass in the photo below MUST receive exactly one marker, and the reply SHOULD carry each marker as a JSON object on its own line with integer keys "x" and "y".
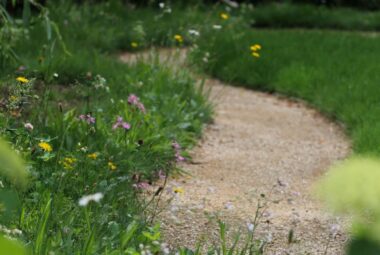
{"x": 286, "y": 15}
{"x": 336, "y": 72}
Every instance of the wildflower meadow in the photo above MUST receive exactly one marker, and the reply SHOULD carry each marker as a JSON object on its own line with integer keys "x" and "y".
{"x": 91, "y": 146}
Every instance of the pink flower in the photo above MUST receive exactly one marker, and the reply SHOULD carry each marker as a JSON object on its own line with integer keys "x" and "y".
{"x": 88, "y": 118}
{"x": 134, "y": 100}
{"x": 161, "y": 175}
{"x": 28, "y": 126}
{"x": 176, "y": 146}
{"x": 178, "y": 157}
{"x": 120, "y": 123}
{"x": 142, "y": 185}
{"x": 141, "y": 107}
{"x": 177, "y": 149}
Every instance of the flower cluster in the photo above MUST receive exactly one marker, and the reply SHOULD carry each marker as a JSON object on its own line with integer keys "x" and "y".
{"x": 112, "y": 166}
{"x": 134, "y": 100}
{"x": 255, "y": 50}
{"x": 88, "y": 118}
{"x": 120, "y": 123}
{"x": 68, "y": 163}
{"x": 177, "y": 149}
{"x": 93, "y": 155}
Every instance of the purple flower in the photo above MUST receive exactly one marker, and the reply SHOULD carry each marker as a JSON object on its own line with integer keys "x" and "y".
{"x": 141, "y": 107}
{"x": 120, "y": 123}
{"x": 161, "y": 175}
{"x": 176, "y": 146}
{"x": 134, "y": 100}
{"x": 142, "y": 185}
{"x": 88, "y": 118}
{"x": 178, "y": 157}
{"x": 177, "y": 149}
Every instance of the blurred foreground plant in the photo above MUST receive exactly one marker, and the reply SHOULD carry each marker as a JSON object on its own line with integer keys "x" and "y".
{"x": 12, "y": 167}
{"x": 352, "y": 187}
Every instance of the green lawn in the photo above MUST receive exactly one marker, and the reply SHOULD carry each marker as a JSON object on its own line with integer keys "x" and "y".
{"x": 286, "y": 15}
{"x": 336, "y": 72}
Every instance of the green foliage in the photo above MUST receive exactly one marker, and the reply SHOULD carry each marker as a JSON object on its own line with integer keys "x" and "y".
{"x": 286, "y": 15}
{"x": 12, "y": 165}
{"x": 9, "y": 246}
{"x": 351, "y": 186}
{"x": 45, "y": 114}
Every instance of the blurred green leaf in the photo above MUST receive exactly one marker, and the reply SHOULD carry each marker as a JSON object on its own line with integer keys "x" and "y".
{"x": 11, "y": 247}
{"x": 9, "y": 205}
{"x": 11, "y": 165}
{"x": 363, "y": 246}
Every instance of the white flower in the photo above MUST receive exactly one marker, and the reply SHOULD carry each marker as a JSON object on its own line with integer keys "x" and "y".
{"x": 28, "y": 126}
{"x": 161, "y": 5}
{"x": 217, "y": 27}
{"x": 250, "y": 226}
{"x": 334, "y": 229}
{"x": 16, "y": 231}
{"x": 94, "y": 197}
{"x": 55, "y": 75}
{"x": 194, "y": 32}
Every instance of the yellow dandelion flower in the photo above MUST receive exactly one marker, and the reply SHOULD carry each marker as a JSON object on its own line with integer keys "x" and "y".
{"x": 92, "y": 155}
{"x": 134, "y": 44}
{"x": 178, "y": 38}
{"x": 255, "y": 54}
{"x": 112, "y": 166}
{"x": 224, "y": 16}
{"x": 68, "y": 163}
{"x": 255, "y": 47}
{"x": 179, "y": 190}
{"x": 45, "y": 146}
{"x": 13, "y": 98}
{"x": 22, "y": 79}
{"x": 70, "y": 160}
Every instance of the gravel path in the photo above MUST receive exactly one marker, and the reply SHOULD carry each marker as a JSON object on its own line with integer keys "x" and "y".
{"x": 259, "y": 147}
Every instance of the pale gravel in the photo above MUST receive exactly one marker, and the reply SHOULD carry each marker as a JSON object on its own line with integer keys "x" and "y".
{"x": 257, "y": 144}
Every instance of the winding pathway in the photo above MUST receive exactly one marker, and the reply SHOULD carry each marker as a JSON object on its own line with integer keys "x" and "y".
{"x": 257, "y": 144}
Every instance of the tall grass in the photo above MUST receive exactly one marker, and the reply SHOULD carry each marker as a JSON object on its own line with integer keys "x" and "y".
{"x": 69, "y": 156}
